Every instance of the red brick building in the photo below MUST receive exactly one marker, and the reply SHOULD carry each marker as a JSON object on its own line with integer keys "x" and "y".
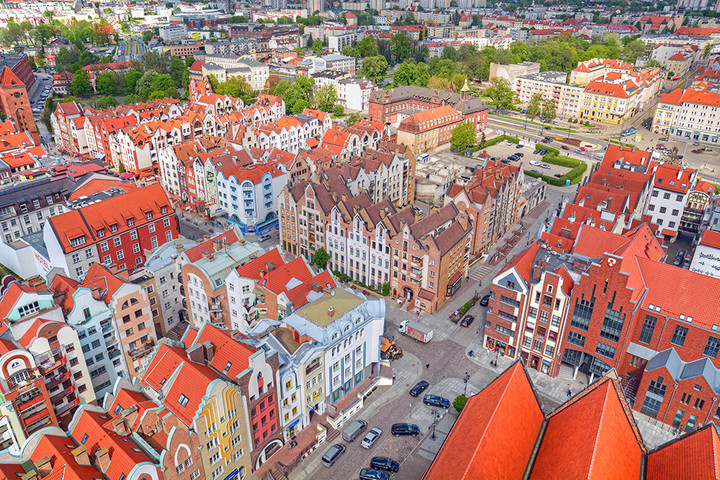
{"x": 15, "y": 104}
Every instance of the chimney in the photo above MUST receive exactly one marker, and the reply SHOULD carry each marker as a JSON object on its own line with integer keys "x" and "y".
{"x": 196, "y": 354}
{"x": 206, "y": 237}
{"x": 130, "y": 414}
{"x": 217, "y": 244}
{"x": 262, "y": 273}
{"x": 331, "y": 311}
{"x": 680, "y": 172}
{"x": 208, "y": 255}
{"x": 96, "y": 293}
{"x": 119, "y": 426}
{"x": 81, "y": 456}
{"x": 35, "y": 281}
{"x": 43, "y": 467}
{"x": 209, "y": 351}
{"x": 102, "y": 458}
{"x": 270, "y": 266}
{"x": 316, "y": 287}
{"x": 31, "y": 475}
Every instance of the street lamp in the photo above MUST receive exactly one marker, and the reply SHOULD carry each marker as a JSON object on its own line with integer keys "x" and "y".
{"x": 435, "y": 415}
{"x": 465, "y": 380}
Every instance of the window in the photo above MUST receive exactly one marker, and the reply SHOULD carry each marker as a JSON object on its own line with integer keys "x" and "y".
{"x": 711, "y": 347}
{"x": 117, "y": 241}
{"x": 166, "y": 222}
{"x": 654, "y": 397}
{"x": 647, "y": 329}
{"x": 679, "y": 335}
{"x": 582, "y": 313}
{"x": 612, "y": 324}
{"x": 605, "y": 350}
{"x": 183, "y": 401}
{"x": 576, "y": 339}
{"x": 678, "y": 418}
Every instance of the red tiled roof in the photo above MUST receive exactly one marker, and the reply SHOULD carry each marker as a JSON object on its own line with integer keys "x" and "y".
{"x": 196, "y": 253}
{"x": 666, "y": 178}
{"x": 9, "y": 79}
{"x": 710, "y": 238}
{"x": 86, "y": 221}
{"x": 495, "y": 433}
{"x": 606, "y": 444}
{"x": 695, "y": 456}
{"x": 231, "y": 356}
{"x": 59, "y": 448}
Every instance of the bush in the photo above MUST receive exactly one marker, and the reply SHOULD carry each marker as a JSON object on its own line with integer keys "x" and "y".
{"x": 459, "y": 402}
{"x": 577, "y": 167}
{"x": 500, "y": 139}
{"x": 341, "y": 276}
{"x": 385, "y": 289}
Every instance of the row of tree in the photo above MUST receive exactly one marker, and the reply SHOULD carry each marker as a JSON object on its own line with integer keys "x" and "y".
{"x": 79, "y": 33}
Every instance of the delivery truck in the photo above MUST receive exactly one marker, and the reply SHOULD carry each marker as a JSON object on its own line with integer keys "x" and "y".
{"x": 416, "y": 330}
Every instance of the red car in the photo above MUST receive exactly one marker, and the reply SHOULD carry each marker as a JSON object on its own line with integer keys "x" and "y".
{"x": 565, "y": 147}
{"x": 583, "y": 149}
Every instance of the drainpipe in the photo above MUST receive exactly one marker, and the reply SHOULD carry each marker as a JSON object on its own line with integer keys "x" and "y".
{"x": 670, "y": 401}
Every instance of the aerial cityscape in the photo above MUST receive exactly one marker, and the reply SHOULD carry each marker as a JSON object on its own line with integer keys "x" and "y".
{"x": 320, "y": 239}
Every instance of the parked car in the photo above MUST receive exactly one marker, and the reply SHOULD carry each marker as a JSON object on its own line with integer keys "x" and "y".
{"x": 513, "y": 157}
{"x": 520, "y": 154}
{"x": 509, "y": 143}
{"x": 545, "y": 165}
{"x": 544, "y": 152}
{"x": 583, "y": 149}
{"x": 419, "y": 388}
{"x": 384, "y": 463}
{"x": 436, "y": 401}
{"x": 369, "y": 474}
{"x": 467, "y": 320}
{"x": 484, "y": 301}
{"x": 405, "y": 429}
{"x": 371, "y": 437}
{"x": 534, "y": 162}
{"x": 536, "y": 151}
{"x": 547, "y": 127}
{"x": 264, "y": 237}
{"x": 558, "y": 175}
{"x": 548, "y": 139}
{"x": 536, "y": 171}
{"x": 332, "y": 454}
{"x": 565, "y": 147}
{"x": 505, "y": 161}
{"x": 678, "y": 261}
{"x": 519, "y": 145}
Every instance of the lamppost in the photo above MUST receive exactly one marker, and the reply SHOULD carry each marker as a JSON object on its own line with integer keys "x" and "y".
{"x": 465, "y": 380}
{"x": 435, "y": 415}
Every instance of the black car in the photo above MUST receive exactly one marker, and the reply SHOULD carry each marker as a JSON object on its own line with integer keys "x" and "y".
{"x": 484, "y": 301}
{"x": 520, "y": 154}
{"x": 419, "y": 388}
{"x": 465, "y": 322}
{"x": 544, "y": 152}
{"x": 384, "y": 463}
{"x": 546, "y": 128}
{"x": 678, "y": 261}
{"x": 436, "y": 401}
{"x": 536, "y": 151}
{"x": 558, "y": 175}
{"x": 505, "y": 161}
{"x": 405, "y": 429}
{"x": 548, "y": 139}
{"x": 513, "y": 157}
{"x": 368, "y": 474}
{"x": 536, "y": 171}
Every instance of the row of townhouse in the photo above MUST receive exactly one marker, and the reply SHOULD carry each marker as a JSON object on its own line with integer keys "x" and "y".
{"x": 239, "y": 397}
{"x": 603, "y": 90}
{"x": 591, "y": 294}
{"x": 690, "y": 115}
{"x": 421, "y": 259}
{"x": 132, "y": 136}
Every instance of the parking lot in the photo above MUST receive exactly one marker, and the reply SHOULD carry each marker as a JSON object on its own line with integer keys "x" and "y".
{"x": 528, "y": 161}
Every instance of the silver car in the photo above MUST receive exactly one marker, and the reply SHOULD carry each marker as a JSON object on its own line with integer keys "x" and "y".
{"x": 371, "y": 437}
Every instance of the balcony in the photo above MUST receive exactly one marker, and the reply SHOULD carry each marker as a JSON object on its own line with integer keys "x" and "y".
{"x": 56, "y": 380}
{"x": 72, "y": 404}
{"x": 113, "y": 353}
{"x": 25, "y": 402}
{"x": 142, "y": 351}
{"x": 64, "y": 393}
{"x": 51, "y": 363}
{"x": 30, "y": 415}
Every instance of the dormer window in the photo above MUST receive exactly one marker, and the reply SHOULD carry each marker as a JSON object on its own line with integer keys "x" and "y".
{"x": 76, "y": 242}
{"x": 101, "y": 232}
{"x": 130, "y": 222}
{"x": 113, "y": 228}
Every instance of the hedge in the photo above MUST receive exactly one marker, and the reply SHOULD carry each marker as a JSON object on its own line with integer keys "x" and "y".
{"x": 575, "y": 175}
{"x": 500, "y": 139}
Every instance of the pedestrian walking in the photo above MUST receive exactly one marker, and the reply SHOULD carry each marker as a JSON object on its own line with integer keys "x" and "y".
{"x": 427, "y": 365}
{"x": 569, "y": 393}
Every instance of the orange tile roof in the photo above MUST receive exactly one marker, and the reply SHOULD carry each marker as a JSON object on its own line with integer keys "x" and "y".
{"x": 710, "y": 238}
{"x": 196, "y": 253}
{"x": 443, "y": 115}
{"x": 9, "y": 79}
{"x": 228, "y": 350}
{"x": 125, "y": 455}
{"x": 495, "y": 433}
{"x": 170, "y": 370}
{"x": 694, "y": 456}
{"x": 606, "y": 442}
{"x": 98, "y": 275}
{"x": 598, "y": 87}
{"x": 60, "y": 449}
{"x": 86, "y": 221}
{"x": 633, "y": 156}
{"x": 666, "y": 178}
{"x": 701, "y": 97}
{"x": 97, "y": 185}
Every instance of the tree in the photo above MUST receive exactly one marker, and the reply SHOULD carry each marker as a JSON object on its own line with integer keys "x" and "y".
{"x": 633, "y": 50}
{"x": 367, "y": 47}
{"x": 482, "y": 141}
{"x": 338, "y": 111}
{"x": 179, "y": 72}
{"x": 132, "y": 99}
{"x": 131, "y": 80}
{"x": 674, "y": 156}
{"x": 189, "y": 60}
{"x": 534, "y": 107}
{"x": 104, "y": 84}
{"x": 438, "y": 83}
{"x": 352, "y": 119}
{"x": 106, "y": 102}
{"x": 500, "y": 94}
{"x": 458, "y": 80}
{"x": 351, "y": 52}
{"x": 317, "y": 47}
{"x": 325, "y": 98}
{"x": 155, "y": 61}
{"x": 411, "y": 73}
{"x": 271, "y": 83}
{"x": 548, "y": 109}
{"x": 321, "y": 258}
{"x": 449, "y": 53}
{"x": 145, "y": 84}
{"x": 400, "y": 48}
{"x": 40, "y": 60}
{"x": 374, "y": 68}
{"x": 421, "y": 54}
{"x": 459, "y": 402}
{"x": 463, "y": 136}
{"x": 80, "y": 84}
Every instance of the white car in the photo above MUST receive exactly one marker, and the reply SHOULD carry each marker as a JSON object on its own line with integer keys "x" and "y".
{"x": 371, "y": 437}
{"x": 534, "y": 162}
